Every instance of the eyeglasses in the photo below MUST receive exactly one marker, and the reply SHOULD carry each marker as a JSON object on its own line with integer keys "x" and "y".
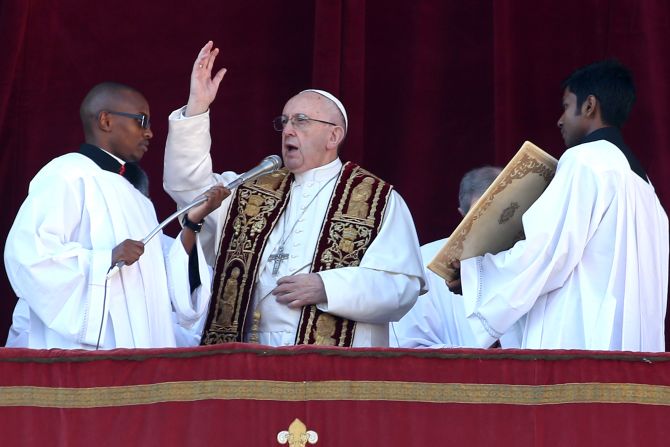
{"x": 142, "y": 119}
{"x": 299, "y": 121}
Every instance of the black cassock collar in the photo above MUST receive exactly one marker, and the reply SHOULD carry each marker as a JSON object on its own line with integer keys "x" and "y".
{"x": 130, "y": 171}
{"x": 613, "y": 135}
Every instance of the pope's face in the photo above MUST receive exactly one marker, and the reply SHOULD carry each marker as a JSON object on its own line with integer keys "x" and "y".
{"x": 572, "y": 123}
{"x": 304, "y": 145}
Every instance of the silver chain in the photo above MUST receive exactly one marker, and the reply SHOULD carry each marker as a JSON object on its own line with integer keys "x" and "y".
{"x": 282, "y": 239}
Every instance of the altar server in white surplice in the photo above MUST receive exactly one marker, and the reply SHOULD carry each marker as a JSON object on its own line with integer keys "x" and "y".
{"x": 437, "y": 320}
{"x": 86, "y": 211}
{"x": 592, "y": 272}
{"x": 321, "y": 252}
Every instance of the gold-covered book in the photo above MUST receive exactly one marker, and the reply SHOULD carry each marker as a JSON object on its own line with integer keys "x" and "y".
{"x": 493, "y": 224}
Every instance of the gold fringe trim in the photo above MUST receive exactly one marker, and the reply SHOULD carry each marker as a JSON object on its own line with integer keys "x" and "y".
{"x": 263, "y": 390}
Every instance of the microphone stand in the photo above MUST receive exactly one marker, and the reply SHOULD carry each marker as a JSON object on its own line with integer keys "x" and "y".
{"x": 234, "y": 184}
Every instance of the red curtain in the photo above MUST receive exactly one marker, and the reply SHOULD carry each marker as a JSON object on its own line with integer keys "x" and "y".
{"x": 433, "y": 88}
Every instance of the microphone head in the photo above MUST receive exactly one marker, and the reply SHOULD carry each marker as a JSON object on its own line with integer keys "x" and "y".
{"x": 269, "y": 164}
{"x": 274, "y": 160}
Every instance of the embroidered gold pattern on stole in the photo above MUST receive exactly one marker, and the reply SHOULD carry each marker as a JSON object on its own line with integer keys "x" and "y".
{"x": 351, "y": 230}
{"x": 255, "y": 210}
{"x": 356, "y": 212}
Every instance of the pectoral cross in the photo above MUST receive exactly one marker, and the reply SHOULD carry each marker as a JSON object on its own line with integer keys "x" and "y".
{"x": 278, "y": 258}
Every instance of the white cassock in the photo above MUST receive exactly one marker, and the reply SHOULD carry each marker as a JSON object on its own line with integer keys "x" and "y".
{"x": 592, "y": 272}
{"x": 438, "y": 318}
{"x": 58, "y": 253}
{"x": 382, "y": 289}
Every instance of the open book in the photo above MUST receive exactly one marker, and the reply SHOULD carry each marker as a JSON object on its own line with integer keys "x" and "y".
{"x": 493, "y": 224}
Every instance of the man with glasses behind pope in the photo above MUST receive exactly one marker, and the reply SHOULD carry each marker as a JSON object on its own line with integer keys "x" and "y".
{"x": 85, "y": 212}
{"x": 320, "y": 252}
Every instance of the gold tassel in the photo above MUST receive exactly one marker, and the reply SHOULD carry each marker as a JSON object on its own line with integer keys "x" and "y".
{"x": 253, "y": 338}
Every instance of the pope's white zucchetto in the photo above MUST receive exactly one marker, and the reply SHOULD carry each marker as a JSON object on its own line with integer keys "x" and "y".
{"x": 335, "y": 101}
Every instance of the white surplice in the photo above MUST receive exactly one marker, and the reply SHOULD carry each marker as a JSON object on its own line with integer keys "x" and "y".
{"x": 438, "y": 318}
{"x": 380, "y": 290}
{"x": 58, "y": 253}
{"x": 592, "y": 272}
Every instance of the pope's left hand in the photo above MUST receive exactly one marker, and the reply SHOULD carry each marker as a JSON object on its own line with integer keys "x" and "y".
{"x": 300, "y": 290}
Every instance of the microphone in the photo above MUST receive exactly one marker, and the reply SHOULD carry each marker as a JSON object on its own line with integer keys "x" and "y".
{"x": 269, "y": 164}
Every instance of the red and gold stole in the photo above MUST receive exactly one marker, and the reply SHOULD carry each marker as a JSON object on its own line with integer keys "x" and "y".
{"x": 351, "y": 223}
{"x": 255, "y": 210}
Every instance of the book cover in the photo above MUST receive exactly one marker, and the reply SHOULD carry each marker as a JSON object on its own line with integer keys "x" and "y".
{"x": 494, "y": 224}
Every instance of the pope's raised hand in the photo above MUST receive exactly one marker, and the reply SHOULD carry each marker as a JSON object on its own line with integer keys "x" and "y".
{"x": 203, "y": 86}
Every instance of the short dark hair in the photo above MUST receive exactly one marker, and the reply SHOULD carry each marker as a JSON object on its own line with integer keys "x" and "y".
{"x": 100, "y": 96}
{"x": 474, "y": 183}
{"x": 612, "y": 85}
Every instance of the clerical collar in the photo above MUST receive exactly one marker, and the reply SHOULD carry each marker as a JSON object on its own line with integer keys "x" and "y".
{"x": 121, "y": 162}
{"x": 320, "y": 174}
{"x": 613, "y": 135}
{"x": 102, "y": 158}
{"x": 108, "y": 162}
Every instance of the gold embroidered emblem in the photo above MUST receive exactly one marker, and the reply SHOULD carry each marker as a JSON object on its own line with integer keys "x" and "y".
{"x": 270, "y": 182}
{"x": 325, "y": 328}
{"x": 349, "y": 235}
{"x": 297, "y": 435}
{"x": 508, "y": 213}
{"x": 347, "y": 242}
{"x": 358, "y": 205}
{"x": 253, "y": 205}
{"x": 227, "y": 301}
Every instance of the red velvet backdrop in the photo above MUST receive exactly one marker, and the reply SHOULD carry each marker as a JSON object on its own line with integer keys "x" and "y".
{"x": 433, "y": 88}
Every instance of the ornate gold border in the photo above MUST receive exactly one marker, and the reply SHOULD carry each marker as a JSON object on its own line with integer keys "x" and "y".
{"x": 283, "y": 391}
{"x": 529, "y": 160}
{"x": 346, "y": 233}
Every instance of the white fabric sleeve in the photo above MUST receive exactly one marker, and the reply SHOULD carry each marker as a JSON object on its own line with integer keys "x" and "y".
{"x": 499, "y": 289}
{"x": 188, "y": 164}
{"x": 62, "y": 282}
{"x": 97, "y": 311}
{"x": 421, "y": 327}
{"x": 188, "y": 307}
{"x": 188, "y": 172}
{"x": 390, "y": 277}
